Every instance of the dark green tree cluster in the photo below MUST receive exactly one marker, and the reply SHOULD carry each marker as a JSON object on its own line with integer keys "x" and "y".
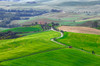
{"x": 8, "y": 35}
{"x": 95, "y": 24}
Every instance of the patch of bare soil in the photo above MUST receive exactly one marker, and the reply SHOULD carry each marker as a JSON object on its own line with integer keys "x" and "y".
{"x": 86, "y": 30}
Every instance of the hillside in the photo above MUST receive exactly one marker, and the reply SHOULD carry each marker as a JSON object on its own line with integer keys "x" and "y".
{"x": 29, "y": 45}
{"x": 25, "y": 29}
{"x": 61, "y": 57}
{"x": 87, "y": 42}
{"x": 73, "y": 3}
{"x": 38, "y": 49}
{"x": 79, "y": 29}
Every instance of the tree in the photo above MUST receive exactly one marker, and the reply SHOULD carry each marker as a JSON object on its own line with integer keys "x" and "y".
{"x": 36, "y": 23}
{"x": 53, "y": 24}
{"x": 62, "y": 31}
{"x": 95, "y": 24}
{"x": 93, "y": 52}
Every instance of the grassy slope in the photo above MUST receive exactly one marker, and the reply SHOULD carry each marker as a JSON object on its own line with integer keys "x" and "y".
{"x": 62, "y": 57}
{"x": 87, "y": 42}
{"x": 71, "y": 23}
{"x": 98, "y": 28}
{"x": 40, "y": 42}
{"x": 1, "y": 29}
{"x": 14, "y": 48}
{"x": 25, "y": 29}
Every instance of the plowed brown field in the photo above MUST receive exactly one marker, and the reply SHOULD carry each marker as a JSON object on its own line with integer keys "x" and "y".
{"x": 75, "y": 29}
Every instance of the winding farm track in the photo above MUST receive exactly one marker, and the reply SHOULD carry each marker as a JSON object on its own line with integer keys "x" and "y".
{"x": 57, "y": 37}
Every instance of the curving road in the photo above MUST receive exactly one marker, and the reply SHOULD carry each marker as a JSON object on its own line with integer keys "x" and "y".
{"x": 57, "y": 37}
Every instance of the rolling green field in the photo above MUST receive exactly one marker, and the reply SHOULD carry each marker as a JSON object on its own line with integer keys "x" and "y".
{"x": 61, "y": 57}
{"x": 86, "y": 42}
{"x": 71, "y": 23}
{"x": 25, "y": 29}
{"x": 28, "y": 45}
{"x": 38, "y": 50}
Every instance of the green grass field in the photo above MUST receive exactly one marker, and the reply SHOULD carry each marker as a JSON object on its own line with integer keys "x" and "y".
{"x": 61, "y": 57}
{"x": 25, "y": 29}
{"x": 98, "y": 28}
{"x": 71, "y": 23}
{"x": 40, "y": 42}
{"x": 38, "y": 50}
{"x": 86, "y": 42}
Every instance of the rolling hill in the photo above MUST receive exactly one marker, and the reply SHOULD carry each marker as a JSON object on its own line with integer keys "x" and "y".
{"x": 25, "y": 29}
{"x": 38, "y": 49}
{"x": 87, "y": 42}
{"x": 29, "y": 45}
{"x": 75, "y": 3}
{"x": 61, "y": 57}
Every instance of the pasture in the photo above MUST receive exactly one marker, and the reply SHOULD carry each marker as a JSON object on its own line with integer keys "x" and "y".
{"x": 60, "y": 57}
{"x": 25, "y": 29}
{"x": 87, "y": 42}
{"x": 28, "y": 45}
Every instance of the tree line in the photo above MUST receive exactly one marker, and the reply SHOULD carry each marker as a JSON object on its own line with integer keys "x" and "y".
{"x": 7, "y": 16}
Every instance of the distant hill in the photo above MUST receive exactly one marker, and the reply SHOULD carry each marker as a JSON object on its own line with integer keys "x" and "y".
{"x": 74, "y": 3}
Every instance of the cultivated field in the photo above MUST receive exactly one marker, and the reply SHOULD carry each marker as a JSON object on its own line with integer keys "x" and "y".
{"x": 79, "y": 29}
{"x": 35, "y": 19}
{"x": 71, "y": 19}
